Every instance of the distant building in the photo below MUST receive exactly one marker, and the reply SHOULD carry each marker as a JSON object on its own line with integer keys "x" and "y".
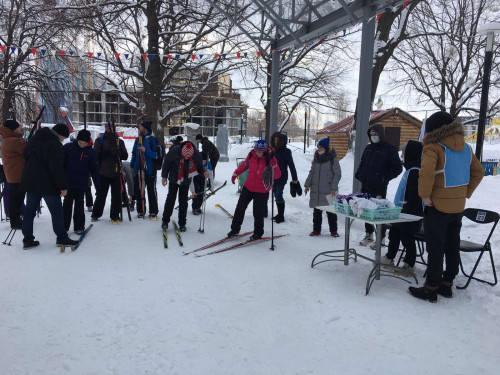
{"x": 400, "y": 127}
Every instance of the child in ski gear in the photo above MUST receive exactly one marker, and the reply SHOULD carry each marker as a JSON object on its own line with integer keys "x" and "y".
{"x": 407, "y": 198}
{"x": 13, "y": 146}
{"x": 209, "y": 149}
{"x": 143, "y": 154}
{"x": 79, "y": 160}
{"x": 110, "y": 152}
{"x": 43, "y": 177}
{"x": 285, "y": 160}
{"x": 379, "y": 164}
{"x": 323, "y": 179}
{"x": 198, "y": 194}
{"x": 449, "y": 174}
{"x": 181, "y": 163}
{"x": 262, "y": 170}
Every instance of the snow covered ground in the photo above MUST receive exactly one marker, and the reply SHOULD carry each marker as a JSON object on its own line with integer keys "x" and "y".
{"x": 122, "y": 304}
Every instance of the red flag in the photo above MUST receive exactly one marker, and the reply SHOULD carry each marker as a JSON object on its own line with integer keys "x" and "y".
{"x": 62, "y": 53}
{"x": 33, "y": 51}
{"x": 379, "y": 16}
{"x": 90, "y": 54}
{"x": 3, "y": 48}
{"x": 238, "y": 55}
{"x": 216, "y": 55}
{"x": 406, "y": 3}
{"x": 259, "y": 53}
{"x": 193, "y": 57}
{"x": 144, "y": 56}
{"x": 117, "y": 55}
{"x": 170, "y": 57}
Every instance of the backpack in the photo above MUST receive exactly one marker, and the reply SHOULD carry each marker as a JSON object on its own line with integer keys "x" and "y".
{"x": 160, "y": 153}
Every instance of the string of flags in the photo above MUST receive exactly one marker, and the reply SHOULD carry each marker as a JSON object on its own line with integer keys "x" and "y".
{"x": 43, "y": 52}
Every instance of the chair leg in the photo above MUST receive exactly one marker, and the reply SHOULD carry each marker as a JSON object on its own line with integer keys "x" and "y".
{"x": 401, "y": 256}
{"x": 471, "y": 275}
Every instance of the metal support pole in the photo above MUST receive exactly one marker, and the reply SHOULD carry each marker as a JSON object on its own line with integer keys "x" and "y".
{"x": 488, "y": 59}
{"x": 364, "y": 104}
{"x": 275, "y": 90}
{"x": 85, "y": 114}
{"x": 305, "y": 130}
{"x": 241, "y": 130}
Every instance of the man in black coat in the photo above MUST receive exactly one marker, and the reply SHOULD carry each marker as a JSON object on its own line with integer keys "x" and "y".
{"x": 210, "y": 149}
{"x": 181, "y": 163}
{"x": 43, "y": 177}
{"x": 110, "y": 151}
{"x": 380, "y": 163}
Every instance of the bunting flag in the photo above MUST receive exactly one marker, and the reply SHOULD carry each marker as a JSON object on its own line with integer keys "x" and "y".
{"x": 3, "y": 48}
{"x": 90, "y": 54}
{"x": 62, "y": 52}
{"x": 33, "y": 51}
{"x": 117, "y": 55}
{"x": 43, "y": 51}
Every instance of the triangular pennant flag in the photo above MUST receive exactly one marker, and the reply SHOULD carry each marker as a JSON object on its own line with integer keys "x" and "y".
{"x": 245, "y": 54}
{"x": 193, "y": 57}
{"x": 201, "y": 56}
{"x": 90, "y": 54}
{"x": 216, "y": 55}
{"x": 379, "y": 16}
{"x": 151, "y": 57}
{"x": 238, "y": 55}
{"x": 99, "y": 54}
{"x": 33, "y": 51}
{"x": 144, "y": 56}
{"x": 117, "y": 55}
{"x": 24, "y": 49}
{"x": 126, "y": 56}
{"x": 177, "y": 57}
{"x": 62, "y": 52}
{"x": 259, "y": 53}
{"x": 224, "y": 55}
{"x": 406, "y": 3}
{"x": 71, "y": 53}
{"x": 3, "y": 48}
{"x": 170, "y": 57}
{"x": 54, "y": 53}
{"x": 13, "y": 49}
{"x": 161, "y": 55}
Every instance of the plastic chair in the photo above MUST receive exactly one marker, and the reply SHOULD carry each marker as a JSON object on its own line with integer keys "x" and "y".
{"x": 479, "y": 216}
{"x": 242, "y": 177}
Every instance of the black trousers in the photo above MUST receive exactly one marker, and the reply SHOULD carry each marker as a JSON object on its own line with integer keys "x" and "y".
{"x": 74, "y": 197}
{"x": 318, "y": 220}
{"x": 199, "y": 185}
{"x": 16, "y": 200}
{"x": 369, "y": 228}
{"x": 102, "y": 194}
{"x": 259, "y": 205}
{"x": 150, "y": 186}
{"x": 173, "y": 189}
{"x": 442, "y": 237}
{"x": 89, "y": 199}
{"x": 400, "y": 233}
{"x": 214, "y": 163}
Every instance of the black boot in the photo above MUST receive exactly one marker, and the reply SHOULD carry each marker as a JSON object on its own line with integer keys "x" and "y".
{"x": 281, "y": 213}
{"x": 30, "y": 244}
{"x": 445, "y": 289}
{"x": 66, "y": 242}
{"x": 233, "y": 233}
{"x": 427, "y": 293}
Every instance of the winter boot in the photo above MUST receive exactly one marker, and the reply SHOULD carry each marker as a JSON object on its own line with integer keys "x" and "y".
{"x": 315, "y": 233}
{"x": 67, "y": 242}
{"x": 89, "y": 208}
{"x": 94, "y": 219}
{"x": 30, "y": 244}
{"x": 255, "y": 237}
{"x": 182, "y": 228}
{"x": 79, "y": 231}
{"x": 281, "y": 213}
{"x": 197, "y": 211}
{"x": 427, "y": 292}
{"x": 132, "y": 205}
{"x": 233, "y": 233}
{"x": 406, "y": 270}
{"x": 367, "y": 240}
{"x": 164, "y": 225}
{"x": 334, "y": 233}
{"x": 445, "y": 289}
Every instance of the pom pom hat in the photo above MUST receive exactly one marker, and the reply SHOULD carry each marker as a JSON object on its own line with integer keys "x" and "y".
{"x": 187, "y": 151}
{"x": 260, "y": 145}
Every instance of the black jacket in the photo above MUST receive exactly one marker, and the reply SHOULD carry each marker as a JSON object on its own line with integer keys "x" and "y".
{"x": 44, "y": 164}
{"x": 109, "y": 154}
{"x": 284, "y": 157}
{"x": 78, "y": 163}
{"x": 380, "y": 163}
{"x": 170, "y": 168}
{"x": 209, "y": 148}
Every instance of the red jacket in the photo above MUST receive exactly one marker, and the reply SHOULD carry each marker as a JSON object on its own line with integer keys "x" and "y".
{"x": 256, "y": 167}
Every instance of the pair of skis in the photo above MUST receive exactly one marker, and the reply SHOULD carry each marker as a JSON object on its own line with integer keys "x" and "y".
{"x": 230, "y": 247}
{"x": 82, "y": 236}
{"x": 177, "y": 234}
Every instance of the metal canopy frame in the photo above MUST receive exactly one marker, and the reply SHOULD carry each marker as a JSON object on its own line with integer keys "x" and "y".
{"x": 298, "y": 22}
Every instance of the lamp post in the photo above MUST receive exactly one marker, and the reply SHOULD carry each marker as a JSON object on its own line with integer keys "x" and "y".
{"x": 489, "y": 30}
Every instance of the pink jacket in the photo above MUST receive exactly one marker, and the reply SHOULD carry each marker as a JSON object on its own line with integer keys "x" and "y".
{"x": 255, "y": 168}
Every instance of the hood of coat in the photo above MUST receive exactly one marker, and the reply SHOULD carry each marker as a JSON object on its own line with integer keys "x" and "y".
{"x": 451, "y": 135}
{"x": 282, "y": 140}
{"x": 379, "y": 129}
{"x": 5, "y": 132}
{"x": 413, "y": 154}
{"x": 327, "y": 156}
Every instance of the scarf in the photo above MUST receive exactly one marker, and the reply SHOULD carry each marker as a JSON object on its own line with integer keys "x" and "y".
{"x": 187, "y": 169}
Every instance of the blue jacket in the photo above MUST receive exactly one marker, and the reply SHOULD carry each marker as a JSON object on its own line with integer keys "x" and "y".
{"x": 284, "y": 157}
{"x": 78, "y": 163}
{"x": 149, "y": 143}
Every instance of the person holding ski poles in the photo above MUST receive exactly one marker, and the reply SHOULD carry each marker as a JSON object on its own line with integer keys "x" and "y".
{"x": 141, "y": 166}
{"x": 262, "y": 169}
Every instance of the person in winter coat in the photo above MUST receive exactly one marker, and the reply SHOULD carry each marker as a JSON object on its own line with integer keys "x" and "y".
{"x": 407, "y": 198}
{"x": 181, "y": 163}
{"x": 13, "y": 146}
{"x": 110, "y": 151}
{"x": 323, "y": 179}
{"x": 285, "y": 160}
{"x": 79, "y": 160}
{"x": 145, "y": 150}
{"x": 449, "y": 174}
{"x": 210, "y": 149}
{"x": 44, "y": 177}
{"x": 262, "y": 166}
{"x": 379, "y": 164}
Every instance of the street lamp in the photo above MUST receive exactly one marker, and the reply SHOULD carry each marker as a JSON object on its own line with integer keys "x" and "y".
{"x": 489, "y": 30}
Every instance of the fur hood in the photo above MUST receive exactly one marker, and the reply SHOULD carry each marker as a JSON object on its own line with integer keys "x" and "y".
{"x": 452, "y": 135}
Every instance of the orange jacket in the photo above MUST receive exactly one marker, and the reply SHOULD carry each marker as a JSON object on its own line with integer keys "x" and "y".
{"x": 12, "y": 154}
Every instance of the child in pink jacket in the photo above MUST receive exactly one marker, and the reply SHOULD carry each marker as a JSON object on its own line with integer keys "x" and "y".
{"x": 262, "y": 171}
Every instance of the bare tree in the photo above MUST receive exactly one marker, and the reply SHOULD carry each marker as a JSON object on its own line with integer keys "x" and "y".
{"x": 443, "y": 61}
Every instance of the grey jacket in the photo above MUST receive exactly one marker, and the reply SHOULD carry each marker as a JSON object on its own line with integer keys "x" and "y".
{"x": 324, "y": 176}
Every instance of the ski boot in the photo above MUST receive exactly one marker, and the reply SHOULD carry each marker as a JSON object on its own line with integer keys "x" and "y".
{"x": 66, "y": 242}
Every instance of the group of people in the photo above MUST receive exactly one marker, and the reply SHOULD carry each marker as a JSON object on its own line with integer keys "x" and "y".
{"x": 440, "y": 174}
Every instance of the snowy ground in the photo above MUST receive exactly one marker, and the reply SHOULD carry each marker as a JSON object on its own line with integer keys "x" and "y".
{"x": 121, "y": 304}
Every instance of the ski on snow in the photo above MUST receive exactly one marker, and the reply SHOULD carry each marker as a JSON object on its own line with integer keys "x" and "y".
{"x": 238, "y": 245}
{"x": 82, "y": 236}
{"x": 177, "y": 233}
{"x": 218, "y": 242}
{"x": 209, "y": 194}
{"x": 165, "y": 239}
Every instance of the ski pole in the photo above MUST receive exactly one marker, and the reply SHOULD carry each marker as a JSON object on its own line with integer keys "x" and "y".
{"x": 202, "y": 217}
{"x": 272, "y": 215}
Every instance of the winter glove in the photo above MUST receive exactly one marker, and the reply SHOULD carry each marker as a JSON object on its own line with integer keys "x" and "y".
{"x": 298, "y": 188}
{"x": 293, "y": 189}
{"x": 233, "y": 178}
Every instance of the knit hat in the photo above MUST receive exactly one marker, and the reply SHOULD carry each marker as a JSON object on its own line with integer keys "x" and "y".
{"x": 325, "y": 143}
{"x": 187, "y": 151}
{"x": 198, "y": 137}
{"x": 83, "y": 135}
{"x": 260, "y": 145}
{"x": 436, "y": 120}
{"x": 11, "y": 124}
{"x": 61, "y": 129}
{"x": 147, "y": 125}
